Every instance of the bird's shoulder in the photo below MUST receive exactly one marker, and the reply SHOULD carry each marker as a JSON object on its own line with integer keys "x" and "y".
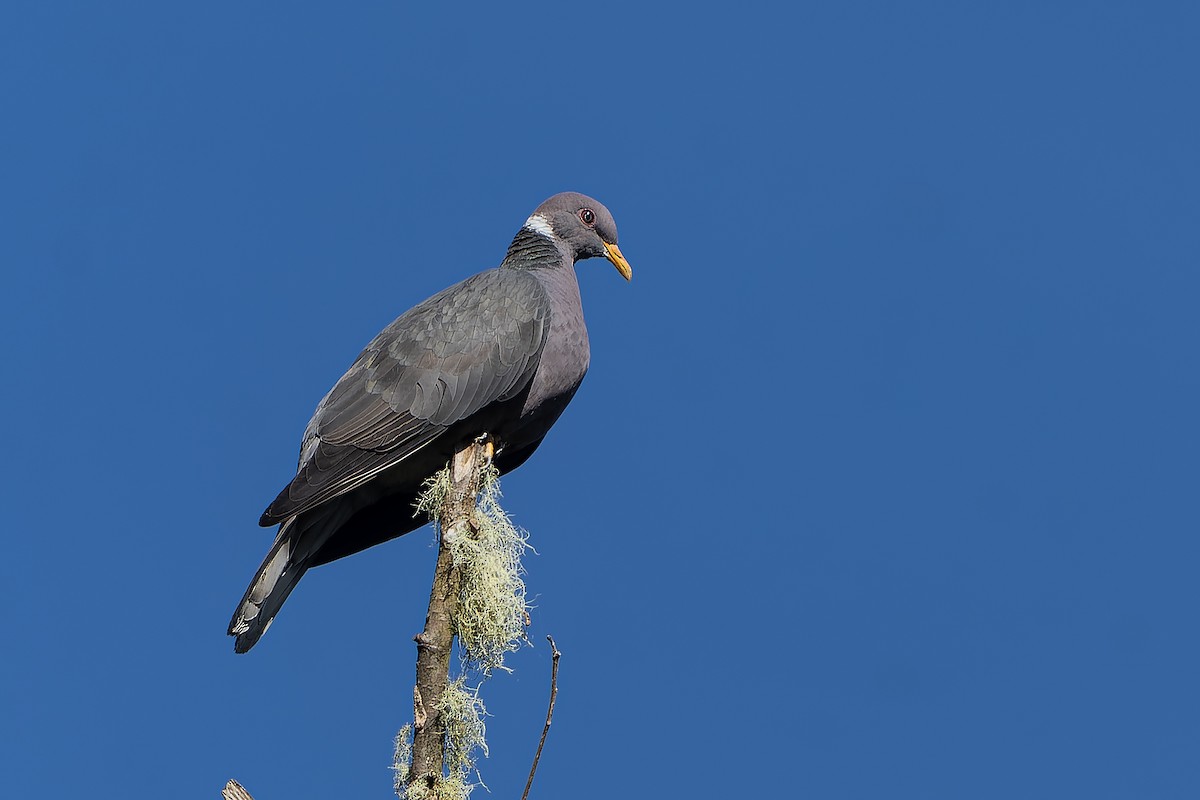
{"x": 500, "y": 306}
{"x": 471, "y": 344}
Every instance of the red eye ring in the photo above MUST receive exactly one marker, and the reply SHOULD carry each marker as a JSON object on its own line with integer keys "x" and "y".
{"x": 588, "y": 217}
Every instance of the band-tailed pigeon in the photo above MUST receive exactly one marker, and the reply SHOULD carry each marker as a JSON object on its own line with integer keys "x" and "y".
{"x": 502, "y": 352}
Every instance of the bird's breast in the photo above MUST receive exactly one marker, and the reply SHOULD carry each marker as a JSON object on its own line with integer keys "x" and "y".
{"x": 567, "y": 352}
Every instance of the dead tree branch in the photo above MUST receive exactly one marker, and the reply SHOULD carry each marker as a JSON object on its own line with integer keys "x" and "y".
{"x": 435, "y": 643}
{"x": 234, "y": 791}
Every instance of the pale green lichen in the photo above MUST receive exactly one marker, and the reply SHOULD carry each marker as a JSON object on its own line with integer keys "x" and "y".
{"x": 433, "y": 494}
{"x": 461, "y": 713}
{"x": 492, "y": 610}
{"x": 489, "y": 622}
{"x": 402, "y": 762}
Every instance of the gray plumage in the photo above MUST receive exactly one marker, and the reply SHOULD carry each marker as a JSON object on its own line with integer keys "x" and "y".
{"x": 502, "y": 352}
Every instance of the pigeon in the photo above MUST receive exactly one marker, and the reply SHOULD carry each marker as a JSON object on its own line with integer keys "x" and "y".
{"x": 501, "y": 353}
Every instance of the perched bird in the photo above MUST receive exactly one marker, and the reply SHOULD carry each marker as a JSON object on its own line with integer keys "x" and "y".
{"x": 502, "y": 352}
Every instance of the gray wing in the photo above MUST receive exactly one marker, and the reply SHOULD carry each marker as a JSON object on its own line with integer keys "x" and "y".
{"x": 461, "y": 350}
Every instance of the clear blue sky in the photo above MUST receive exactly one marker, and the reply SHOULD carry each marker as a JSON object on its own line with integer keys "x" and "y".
{"x": 884, "y": 479}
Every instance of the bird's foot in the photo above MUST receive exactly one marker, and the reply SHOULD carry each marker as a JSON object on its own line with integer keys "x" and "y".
{"x": 489, "y": 445}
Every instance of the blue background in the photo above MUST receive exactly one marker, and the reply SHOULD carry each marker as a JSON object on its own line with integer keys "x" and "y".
{"x": 883, "y": 482}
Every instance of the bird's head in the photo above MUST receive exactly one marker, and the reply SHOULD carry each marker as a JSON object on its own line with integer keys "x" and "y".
{"x": 584, "y": 225}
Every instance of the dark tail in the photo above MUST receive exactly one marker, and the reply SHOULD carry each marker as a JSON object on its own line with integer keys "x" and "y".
{"x": 272, "y": 584}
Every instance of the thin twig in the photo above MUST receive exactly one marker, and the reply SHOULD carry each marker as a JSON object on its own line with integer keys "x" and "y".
{"x": 549, "y": 714}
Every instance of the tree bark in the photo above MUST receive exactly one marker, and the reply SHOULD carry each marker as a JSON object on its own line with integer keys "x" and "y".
{"x": 435, "y": 645}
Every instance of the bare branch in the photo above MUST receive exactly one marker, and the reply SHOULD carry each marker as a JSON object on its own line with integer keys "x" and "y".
{"x": 234, "y": 791}
{"x": 549, "y": 714}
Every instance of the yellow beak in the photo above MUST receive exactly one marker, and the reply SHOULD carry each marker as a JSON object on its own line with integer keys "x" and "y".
{"x": 618, "y": 260}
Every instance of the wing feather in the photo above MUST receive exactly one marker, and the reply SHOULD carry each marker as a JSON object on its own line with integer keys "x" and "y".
{"x": 458, "y": 352}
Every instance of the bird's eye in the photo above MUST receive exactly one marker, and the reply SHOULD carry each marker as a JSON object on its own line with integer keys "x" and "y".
{"x": 588, "y": 216}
